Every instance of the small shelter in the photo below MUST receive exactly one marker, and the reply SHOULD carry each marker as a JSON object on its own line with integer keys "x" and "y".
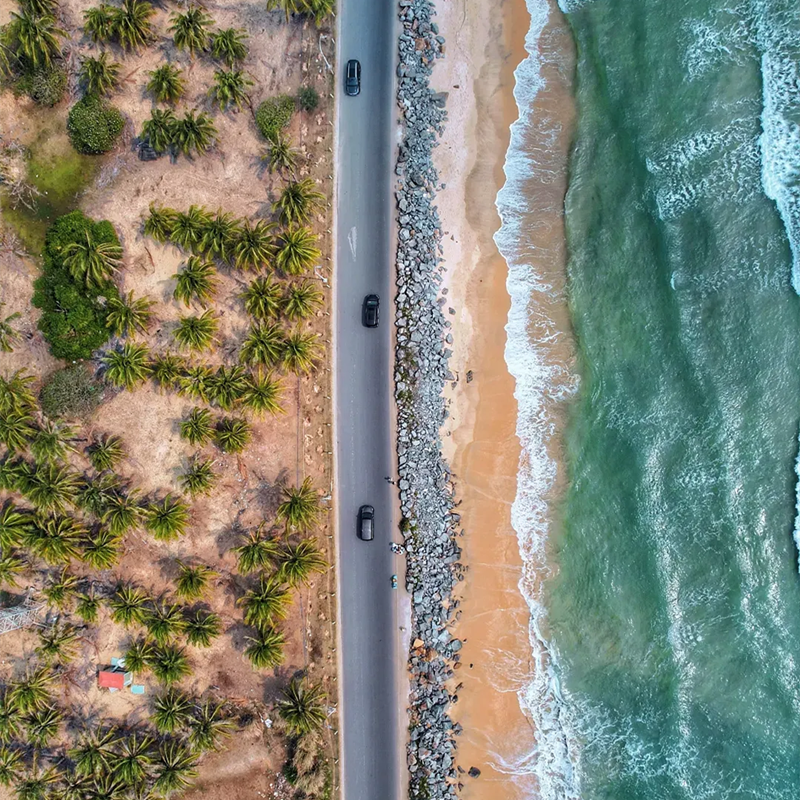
{"x": 113, "y": 680}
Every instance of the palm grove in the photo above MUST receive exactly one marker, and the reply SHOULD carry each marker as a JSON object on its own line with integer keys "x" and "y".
{"x": 67, "y": 514}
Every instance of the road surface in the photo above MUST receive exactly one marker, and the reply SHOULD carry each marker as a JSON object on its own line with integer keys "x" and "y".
{"x": 369, "y": 628}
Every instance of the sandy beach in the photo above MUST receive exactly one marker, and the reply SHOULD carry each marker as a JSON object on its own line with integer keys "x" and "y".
{"x": 483, "y": 50}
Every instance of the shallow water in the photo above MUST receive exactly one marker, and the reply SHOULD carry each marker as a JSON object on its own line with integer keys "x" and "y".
{"x": 675, "y": 614}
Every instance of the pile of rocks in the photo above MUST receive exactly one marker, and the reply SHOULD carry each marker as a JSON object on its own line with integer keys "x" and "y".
{"x": 426, "y": 491}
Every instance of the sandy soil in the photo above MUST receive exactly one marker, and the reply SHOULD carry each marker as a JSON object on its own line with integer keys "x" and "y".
{"x": 284, "y": 449}
{"x": 483, "y": 49}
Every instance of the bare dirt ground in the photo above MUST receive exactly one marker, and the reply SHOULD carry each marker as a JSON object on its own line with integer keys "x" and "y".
{"x": 284, "y": 449}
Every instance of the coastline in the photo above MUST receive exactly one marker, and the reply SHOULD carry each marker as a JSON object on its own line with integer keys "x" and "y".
{"x": 481, "y": 437}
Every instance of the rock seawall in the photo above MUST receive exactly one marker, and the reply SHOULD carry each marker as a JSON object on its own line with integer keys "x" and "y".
{"x": 426, "y": 491}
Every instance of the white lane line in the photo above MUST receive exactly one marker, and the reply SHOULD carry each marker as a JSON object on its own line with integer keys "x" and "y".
{"x": 352, "y": 240}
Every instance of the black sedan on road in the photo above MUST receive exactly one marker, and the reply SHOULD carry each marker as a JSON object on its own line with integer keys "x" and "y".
{"x": 352, "y": 78}
{"x": 372, "y": 304}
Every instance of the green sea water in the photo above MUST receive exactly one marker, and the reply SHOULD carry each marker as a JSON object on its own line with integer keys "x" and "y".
{"x": 675, "y": 613}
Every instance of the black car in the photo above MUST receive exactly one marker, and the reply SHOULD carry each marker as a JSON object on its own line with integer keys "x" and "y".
{"x": 352, "y": 78}
{"x": 366, "y": 518}
{"x": 370, "y": 312}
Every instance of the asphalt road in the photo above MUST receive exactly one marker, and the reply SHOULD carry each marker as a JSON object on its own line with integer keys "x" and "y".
{"x": 371, "y": 748}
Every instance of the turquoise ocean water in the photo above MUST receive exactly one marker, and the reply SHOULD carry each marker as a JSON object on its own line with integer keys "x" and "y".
{"x": 672, "y": 626}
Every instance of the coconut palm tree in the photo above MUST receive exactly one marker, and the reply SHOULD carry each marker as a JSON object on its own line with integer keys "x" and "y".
{"x": 264, "y": 345}
{"x": 98, "y": 22}
{"x": 16, "y": 429}
{"x": 137, "y": 657}
{"x": 160, "y": 223}
{"x": 298, "y": 563}
{"x": 55, "y": 539}
{"x": 176, "y": 768}
{"x": 122, "y": 511}
{"x": 220, "y": 234}
{"x": 172, "y": 711}
{"x": 101, "y": 549}
{"x": 297, "y": 251}
{"x": 255, "y": 245}
{"x": 91, "y": 261}
{"x": 35, "y": 785}
{"x": 195, "y": 383}
{"x": 131, "y": 24}
{"x": 199, "y": 478}
{"x": 320, "y": 10}
{"x": 168, "y": 370}
{"x": 129, "y": 606}
{"x": 94, "y": 754}
{"x": 109, "y": 787}
{"x": 88, "y": 607}
{"x": 99, "y": 75}
{"x": 128, "y": 366}
{"x": 8, "y": 335}
{"x": 198, "y": 427}
{"x": 301, "y": 300}
{"x": 15, "y": 474}
{"x": 232, "y": 435}
{"x": 193, "y": 580}
{"x": 167, "y": 520}
{"x": 10, "y": 765}
{"x": 267, "y": 603}
{"x": 164, "y": 621}
{"x": 12, "y": 566}
{"x": 230, "y": 88}
{"x": 42, "y": 725}
{"x": 188, "y": 228}
{"x": 288, "y": 6}
{"x": 166, "y": 83}
{"x": 265, "y": 650}
{"x": 209, "y": 727}
{"x": 196, "y": 281}
{"x": 263, "y": 299}
{"x": 159, "y": 131}
{"x": 50, "y": 487}
{"x": 300, "y": 509}
{"x": 281, "y": 157}
{"x": 59, "y": 642}
{"x": 132, "y": 759}
{"x": 94, "y": 496}
{"x": 61, "y": 588}
{"x": 128, "y": 315}
{"x": 303, "y": 707}
{"x": 52, "y": 442}
{"x": 257, "y": 552}
{"x": 16, "y": 393}
{"x": 202, "y": 628}
{"x": 31, "y": 693}
{"x": 10, "y": 719}
{"x": 194, "y": 132}
{"x": 297, "y": 201}
{"x": 262, "y": 394}
{"x": 190, "y": 30}
{"x": 36, "y": 37}
{"x": 14, "y": 522}
{"x": 301, "y": 352}
{"x": 227, "y": 386}
{"x": 106, "y": 452}
{"x": 197, "y": 333}
{"x": 169, "y": 664}
{"x": 228, "y": 45}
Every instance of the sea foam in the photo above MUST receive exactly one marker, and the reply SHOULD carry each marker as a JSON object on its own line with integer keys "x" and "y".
{"x": 540, "y": 383}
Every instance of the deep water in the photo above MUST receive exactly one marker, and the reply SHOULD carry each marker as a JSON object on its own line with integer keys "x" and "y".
{"x": 675, "y": 613}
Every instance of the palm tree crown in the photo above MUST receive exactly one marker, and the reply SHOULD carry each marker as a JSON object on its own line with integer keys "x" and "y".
{"x": 228, "y": 45}
{"x": 190, "y": 30}
{"x": 230, "y": 88}
{"x": 166, "y": 84}
{"x": 303, "y": 707}
{"x": 300, "y": 508}
{"x": 128, "y": 314}
{"x": 99, "y": 75}
{"x": 91, "y": 261}
{"x": 297, "y": 251}
{"x": 297, "y": 201}
{"x": 37, "y": 37}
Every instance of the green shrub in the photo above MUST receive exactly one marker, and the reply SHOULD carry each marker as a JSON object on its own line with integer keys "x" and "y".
{"x": 45, "y": 85}
{"x": 93, "y": 125}
{"x": 71, "y": 392}
{"x": 74, "y": 315}
{"x": 307, "y": 98}
{"x": 274, "y": 115}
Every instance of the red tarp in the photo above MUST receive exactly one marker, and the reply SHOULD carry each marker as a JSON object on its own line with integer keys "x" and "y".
{"x": 110, "y": 680}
